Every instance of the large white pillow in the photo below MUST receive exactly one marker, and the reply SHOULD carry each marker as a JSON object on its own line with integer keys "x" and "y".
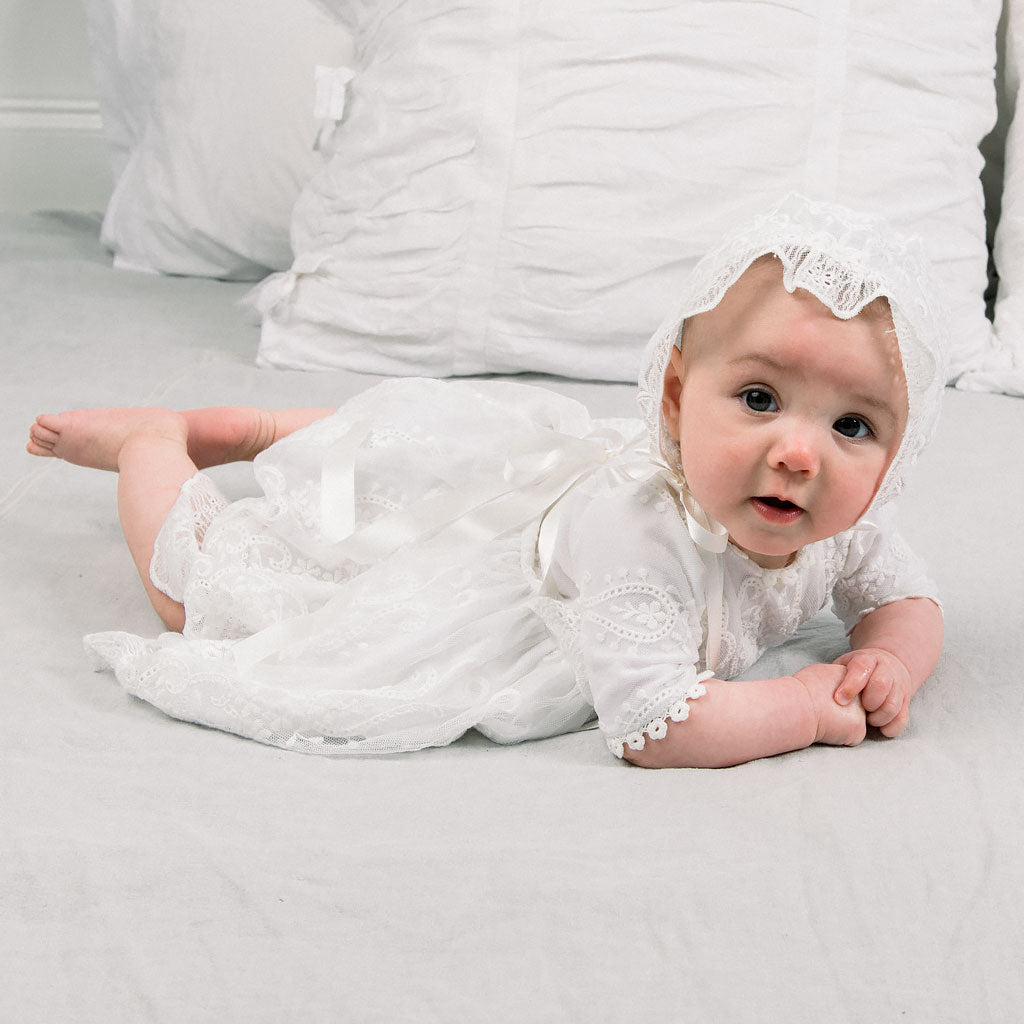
{"x": 208, "y": 108}
{"x": 1002, "y": 367}
{"x": 521, "y": 186}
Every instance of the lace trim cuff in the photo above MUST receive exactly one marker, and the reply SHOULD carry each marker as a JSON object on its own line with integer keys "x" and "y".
{"x": 851, "y": 622}
{"x": 657, "y": 728}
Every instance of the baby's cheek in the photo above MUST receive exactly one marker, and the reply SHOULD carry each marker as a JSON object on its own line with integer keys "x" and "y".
{"x": 849, "y": 502}
{"x": 704, "y": 473}
{"x": 730, "y": 462}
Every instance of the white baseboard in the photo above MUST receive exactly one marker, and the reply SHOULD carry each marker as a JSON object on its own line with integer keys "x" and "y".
{"x": 44, "y": 115}
{"x": 52, "y": 155}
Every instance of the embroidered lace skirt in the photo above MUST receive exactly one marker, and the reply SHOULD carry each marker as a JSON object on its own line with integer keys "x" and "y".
{"x": 379, "y": 595}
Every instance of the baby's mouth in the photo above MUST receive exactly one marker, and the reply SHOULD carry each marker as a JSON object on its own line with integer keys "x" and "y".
{"x": 776, "y": 510}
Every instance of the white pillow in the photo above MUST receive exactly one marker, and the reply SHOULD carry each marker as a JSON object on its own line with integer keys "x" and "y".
{"x": 521, "y": 187}
{"x": 1002, "y": 367}
{"x": 208, "y": 108}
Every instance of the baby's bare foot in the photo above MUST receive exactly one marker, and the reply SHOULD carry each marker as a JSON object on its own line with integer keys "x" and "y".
{"x": 95, "y": 437}
{"x": 837, "y": 725}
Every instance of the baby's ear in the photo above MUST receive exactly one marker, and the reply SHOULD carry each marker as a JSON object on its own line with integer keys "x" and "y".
{"x": 671, "y": 392}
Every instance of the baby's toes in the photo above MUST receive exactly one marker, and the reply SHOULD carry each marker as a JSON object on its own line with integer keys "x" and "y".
{"x": 42, "y": 428}
{"x": 49, "y": 423}
{"x": 41, "y": 439}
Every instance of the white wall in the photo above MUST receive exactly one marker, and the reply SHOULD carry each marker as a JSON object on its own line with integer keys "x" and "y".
{"x": 52, "y": 153}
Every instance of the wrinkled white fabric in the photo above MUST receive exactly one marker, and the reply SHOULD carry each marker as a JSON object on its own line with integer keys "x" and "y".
{"x": 521, "y": 186}
{"x": 439, "y": 556}
{"x": 208, "y": 112}
{"x": 431, "y": 639}
{"x": 1001, "y": 366}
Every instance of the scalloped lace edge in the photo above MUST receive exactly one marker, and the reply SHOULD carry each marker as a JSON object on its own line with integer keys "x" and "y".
{"x": 657, "y": 728}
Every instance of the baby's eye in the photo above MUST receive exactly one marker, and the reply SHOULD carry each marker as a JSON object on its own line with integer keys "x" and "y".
{"x": 852, "y": 426}
{"x": 759, "y": 400}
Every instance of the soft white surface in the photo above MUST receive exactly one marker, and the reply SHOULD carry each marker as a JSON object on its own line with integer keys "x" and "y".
{"x": 151, "y": 870}
{"x": 208, "y": 108}
{"x": 523, "y": 186}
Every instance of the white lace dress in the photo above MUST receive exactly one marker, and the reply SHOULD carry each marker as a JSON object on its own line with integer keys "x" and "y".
{"x": 632, "y": 591}
{"x": 398, "y": 582}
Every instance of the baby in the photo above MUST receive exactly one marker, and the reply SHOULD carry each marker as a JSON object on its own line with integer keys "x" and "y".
{"x": 439, "y": 556}
{"x": 787, "y": 419}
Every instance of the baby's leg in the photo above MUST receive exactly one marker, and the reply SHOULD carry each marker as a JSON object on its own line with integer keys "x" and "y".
{"x": 148, "y": 448}
{"x": 239, "y": 433}
{"x": 152, "y": 465}
{"x": 154, "y": 451}
{"x": 91, "y": 437}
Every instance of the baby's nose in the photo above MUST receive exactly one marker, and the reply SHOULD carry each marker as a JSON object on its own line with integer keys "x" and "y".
{"x": 796, "y": 450}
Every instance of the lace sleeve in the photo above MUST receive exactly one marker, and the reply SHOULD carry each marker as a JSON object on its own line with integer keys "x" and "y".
{"x": 880, "y": 568}
{"x": 634, "y": 623}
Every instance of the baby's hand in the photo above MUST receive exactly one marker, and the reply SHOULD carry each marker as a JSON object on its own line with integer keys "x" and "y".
{"x": 840, "y": 725}
{"x": 883, "y": 683}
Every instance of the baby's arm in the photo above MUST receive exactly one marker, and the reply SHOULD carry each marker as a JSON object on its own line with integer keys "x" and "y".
{"x": 895, "y": 649}
{"x": 742, "y": 720}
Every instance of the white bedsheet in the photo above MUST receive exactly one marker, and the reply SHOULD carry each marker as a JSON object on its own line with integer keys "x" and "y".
{"x": 152, "y": 870}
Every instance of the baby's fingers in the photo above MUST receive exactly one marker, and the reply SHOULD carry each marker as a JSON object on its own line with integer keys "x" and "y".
{"x": 859, "y": 667}
{"x": 886, "y": 711}
{"x": 882, "y": 693}
{"x": 897, "y": 724}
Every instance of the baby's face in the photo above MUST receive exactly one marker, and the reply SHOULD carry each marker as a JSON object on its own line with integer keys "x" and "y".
{"x": 787, "y": 417}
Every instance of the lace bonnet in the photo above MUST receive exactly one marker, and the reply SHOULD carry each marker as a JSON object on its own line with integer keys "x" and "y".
{"x": 846, "y": 260}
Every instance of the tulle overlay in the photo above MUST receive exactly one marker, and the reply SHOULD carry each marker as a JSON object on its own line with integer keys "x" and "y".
{"x": 293, "y": 639}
